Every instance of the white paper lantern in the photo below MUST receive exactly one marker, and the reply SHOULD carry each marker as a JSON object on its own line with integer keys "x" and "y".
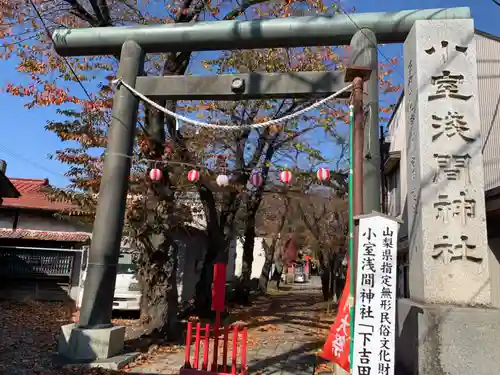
{"x": 222, "y": 180}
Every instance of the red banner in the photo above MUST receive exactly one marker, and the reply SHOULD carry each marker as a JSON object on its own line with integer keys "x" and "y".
{"x": 219, "y": 287}
{"x": 337, "y": 345}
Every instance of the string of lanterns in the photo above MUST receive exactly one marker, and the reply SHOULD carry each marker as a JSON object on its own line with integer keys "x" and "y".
{"x": 256, "y": 179}
{"x": 286, "y": 176}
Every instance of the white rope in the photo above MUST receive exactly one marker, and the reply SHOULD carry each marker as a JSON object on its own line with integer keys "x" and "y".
{"x": 178, "y": 117}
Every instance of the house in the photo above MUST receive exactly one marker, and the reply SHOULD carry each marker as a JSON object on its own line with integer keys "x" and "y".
{"x": 46, "y": 255}
{"x": 395, "y": 158}
{"x": 41, "y": 252}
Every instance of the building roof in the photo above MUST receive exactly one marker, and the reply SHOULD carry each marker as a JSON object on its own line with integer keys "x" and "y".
{"x": 29, "y": 234}
{"x": 34, "y": 196}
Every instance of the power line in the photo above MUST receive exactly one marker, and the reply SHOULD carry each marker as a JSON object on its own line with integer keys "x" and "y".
{"x": 366, "y": 36}
{"x": 29, "y": 161}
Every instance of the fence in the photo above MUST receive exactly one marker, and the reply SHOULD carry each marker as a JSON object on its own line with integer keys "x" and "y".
{"x": 192, "y": 366}
{"x": 31, "y": 263}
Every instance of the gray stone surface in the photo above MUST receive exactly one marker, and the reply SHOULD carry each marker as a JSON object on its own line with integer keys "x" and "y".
{"x": 444, "y": 340}
{"x": 90, "y": 344}
{"x": 449, "y": 256}
{"x": 114, "y": 363}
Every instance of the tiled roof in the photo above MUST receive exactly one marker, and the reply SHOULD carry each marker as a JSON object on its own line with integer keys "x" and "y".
{"x": 28, "y": 234}
{"x": 34, "y": 196}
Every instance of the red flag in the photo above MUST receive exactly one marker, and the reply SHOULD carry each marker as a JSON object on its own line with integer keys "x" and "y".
{"x": 337, "y": 345}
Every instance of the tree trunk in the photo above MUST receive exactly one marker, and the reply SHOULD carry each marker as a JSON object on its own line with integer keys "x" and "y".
{"x": 248, "y": 249}
{"x": 157, "y": 275}
{"x": 173, "y": 330}
{"x": 217, "y": 251}
{"x": 326, "y": 276}
{"x": 325, "y": 281}
{"x": 243, "y": 287}
{"x": 268, "y": 264}
{"x": 333, "y": 279}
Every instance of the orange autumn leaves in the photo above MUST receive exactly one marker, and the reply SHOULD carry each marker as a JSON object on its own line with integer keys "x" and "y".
{"x": 48, "y": 94}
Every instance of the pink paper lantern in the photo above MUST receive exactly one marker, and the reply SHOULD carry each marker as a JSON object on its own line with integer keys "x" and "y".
{"x": 256, "y": 179}
{"x": 155, "y": 174}
{"x": 193, "y": 175}
{"x": 323, "y": 174}
{"x": 286, "y": 177}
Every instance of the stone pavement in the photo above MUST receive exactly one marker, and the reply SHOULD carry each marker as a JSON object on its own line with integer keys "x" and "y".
{"x": 285, "y": 330}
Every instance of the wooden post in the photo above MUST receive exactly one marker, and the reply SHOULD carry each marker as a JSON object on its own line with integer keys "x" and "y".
{"x": 357, "y": 75}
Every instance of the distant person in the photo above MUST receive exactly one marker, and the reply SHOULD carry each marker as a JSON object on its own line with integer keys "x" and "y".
{"x": 278, "y": 271}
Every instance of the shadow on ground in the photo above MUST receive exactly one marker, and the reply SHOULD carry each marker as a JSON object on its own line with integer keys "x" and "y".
{"x": 300, "y": 360}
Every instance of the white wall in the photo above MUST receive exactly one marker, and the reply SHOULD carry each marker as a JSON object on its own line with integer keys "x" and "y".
{"x": 259, "y": 258}
{"x": 38, "y": 221}
{"x": 397, "y": 134}
{"x": 191, "y": 254}
{"x": 192, "y": 250}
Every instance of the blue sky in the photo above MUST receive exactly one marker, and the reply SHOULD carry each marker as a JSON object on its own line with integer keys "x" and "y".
{"x": 25, "y": 144}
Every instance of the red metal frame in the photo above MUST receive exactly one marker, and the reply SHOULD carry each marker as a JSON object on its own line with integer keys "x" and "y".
{"x": 239, "y": 338}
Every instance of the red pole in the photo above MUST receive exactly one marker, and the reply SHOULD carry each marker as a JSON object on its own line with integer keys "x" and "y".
{"x": 189, "y": 332}
{"x": 197, "y": 346}
{"x": 244, "y": 351}
{"x": 235, "y": 350}
{"x": 216, "y": 341}
{"x": 205, "y": 347}
{"x": 224, "y": 349}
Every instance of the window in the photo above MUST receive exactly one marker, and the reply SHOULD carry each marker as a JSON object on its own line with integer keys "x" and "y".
{"x": 394, "y": 192}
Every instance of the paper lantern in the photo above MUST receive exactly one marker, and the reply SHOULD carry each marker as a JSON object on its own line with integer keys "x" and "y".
{"x": 286, "y": 177}
{"x": 155, "y": 174}
{"x": 323, "y": 174}
{"x": 222, "y": 180}
{"x": 168, "y": 149}
{"x": 256, "y": 179}
{"x": 193, "y": 175}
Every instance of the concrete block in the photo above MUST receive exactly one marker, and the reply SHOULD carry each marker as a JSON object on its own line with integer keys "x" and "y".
{"x": 90, "y": 344}
{"x": 446, "y": 340}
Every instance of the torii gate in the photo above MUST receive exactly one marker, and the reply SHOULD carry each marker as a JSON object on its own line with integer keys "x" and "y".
{"x": 94, "y": 336}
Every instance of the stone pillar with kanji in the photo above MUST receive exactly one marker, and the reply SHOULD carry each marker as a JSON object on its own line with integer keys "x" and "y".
{"x": 450, "y": 319}
{"x": 445, "y": 201}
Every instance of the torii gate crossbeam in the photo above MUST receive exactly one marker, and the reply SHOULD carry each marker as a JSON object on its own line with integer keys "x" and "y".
{"x": 389, "y": 27}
